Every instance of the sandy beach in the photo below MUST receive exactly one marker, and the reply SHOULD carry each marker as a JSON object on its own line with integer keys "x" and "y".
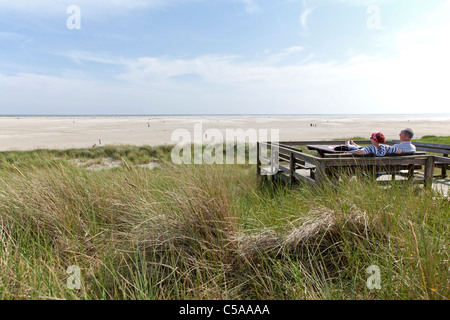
{"x": 61, "y": 132}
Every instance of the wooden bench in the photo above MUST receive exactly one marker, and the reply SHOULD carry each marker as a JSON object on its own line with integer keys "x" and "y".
{"x": 290, "y": 163}
{"x": 441, "y": 149}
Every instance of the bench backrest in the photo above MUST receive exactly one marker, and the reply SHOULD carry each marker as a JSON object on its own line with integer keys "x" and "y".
{"x": 430, "y": 147}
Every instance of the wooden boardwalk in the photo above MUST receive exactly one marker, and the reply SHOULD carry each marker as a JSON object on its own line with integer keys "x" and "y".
{"x": 284, "y": 160}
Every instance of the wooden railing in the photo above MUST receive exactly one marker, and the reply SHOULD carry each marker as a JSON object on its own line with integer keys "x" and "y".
{"x": 288, "y": 162}
{"x": 442, "y": 149}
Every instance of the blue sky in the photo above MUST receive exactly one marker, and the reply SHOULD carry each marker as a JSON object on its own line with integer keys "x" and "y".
{"x": 224, "y": 57}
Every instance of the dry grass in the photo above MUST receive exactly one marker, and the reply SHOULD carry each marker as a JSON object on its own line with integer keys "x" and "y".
{"x": 213, "y": 232}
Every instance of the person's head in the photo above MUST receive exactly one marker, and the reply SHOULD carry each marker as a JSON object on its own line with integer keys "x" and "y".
{"x": 406, "y": 134}
{"x": 377, "y": 138}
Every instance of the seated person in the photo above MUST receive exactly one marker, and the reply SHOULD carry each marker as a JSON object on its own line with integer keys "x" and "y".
{"x": 351, "y": 145}
{"x": 377, "y": 147}
{"x": 405, "y": 141}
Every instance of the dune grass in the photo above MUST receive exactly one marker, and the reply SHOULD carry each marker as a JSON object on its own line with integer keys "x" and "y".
{"x": 210, "y": 232}
{"x": 434, "y": 139}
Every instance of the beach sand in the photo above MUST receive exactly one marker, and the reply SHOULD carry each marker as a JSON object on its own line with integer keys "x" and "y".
{"x": 62, "y": 132}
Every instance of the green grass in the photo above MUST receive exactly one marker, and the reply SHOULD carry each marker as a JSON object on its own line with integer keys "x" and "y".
{"x": 210, "y": 232}
{"x": 434, "y": 139}
{"x": 425, "y": 139}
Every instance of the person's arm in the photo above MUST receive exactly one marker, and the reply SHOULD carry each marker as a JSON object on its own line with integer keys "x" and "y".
{"x": 359, "y": 152}
{"x": 366, "y": 150}
{"x": 394, "y": 149}
{"x": 391, "y": 150}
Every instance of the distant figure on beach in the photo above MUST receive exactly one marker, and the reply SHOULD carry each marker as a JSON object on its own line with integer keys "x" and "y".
{"x": 405, "y": 141}
{"x": 378, "y": 148}
{"x": 99, "y": 142}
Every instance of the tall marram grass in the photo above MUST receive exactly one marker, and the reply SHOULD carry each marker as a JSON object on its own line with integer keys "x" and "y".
{"x": 213, "y": 232}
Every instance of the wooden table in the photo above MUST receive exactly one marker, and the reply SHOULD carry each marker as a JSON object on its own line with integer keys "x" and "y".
{"x": 325, "y": 149}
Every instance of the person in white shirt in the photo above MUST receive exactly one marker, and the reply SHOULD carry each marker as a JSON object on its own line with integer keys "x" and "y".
{"x": 405, "y": 141}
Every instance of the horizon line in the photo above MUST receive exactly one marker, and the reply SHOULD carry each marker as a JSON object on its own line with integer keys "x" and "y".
{"x": 212, "y": 114}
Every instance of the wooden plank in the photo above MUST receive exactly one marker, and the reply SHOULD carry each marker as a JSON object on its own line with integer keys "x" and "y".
{"x": 349, "y": 155}
{"x": 431, "y": 145}
{"x": 443, "y": 163}
{"x": 299, "y": 164}
{"x": 429, "y": 170}
{"x": 303, "y": 176}
{"x": 284, "y": 168}
{"x": 442, "y": 159}
{"x": 434, "y": 150}
{"x": 320, "y": 175}
{"x": 307, "y": 158}
{"x": 358, "y": 160}
{"x": 381, "y": 161}
{"x": 306, "y": 166}
{"x": 425, "y": 144}
{"x": 304, "y": 143}
{"x": 284, "y": 157}
{"x": 289, "y": 147}
{"x": 287, "y": 151}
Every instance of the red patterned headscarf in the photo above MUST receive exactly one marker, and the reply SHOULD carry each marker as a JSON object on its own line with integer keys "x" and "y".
{"x": 379, "y": 137}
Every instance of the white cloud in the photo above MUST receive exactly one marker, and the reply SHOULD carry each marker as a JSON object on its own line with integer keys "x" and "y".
{"x": 93, "y": 8}
{"x": 304, "y": 17}
{"x": 41, "y": 4}
{"x": 286, "y": 54}
{"x": 80, "y": 56}
{"x": 251, "y": 6}
{"x": 361, "y": 84}
{"x": 219, "y": 69}
{"x": 227, "y": 84}
{"x": 414, "y": 81}
{"x": 366, "y": 3}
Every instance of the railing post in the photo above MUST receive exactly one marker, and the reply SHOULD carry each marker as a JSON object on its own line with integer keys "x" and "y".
{"x": 429, "y": 171}
{"x": 258, "y": 161}
{"x": 444, "y": 169}
{"x": 291, "y": 167}
{"x": 320, "y": 175}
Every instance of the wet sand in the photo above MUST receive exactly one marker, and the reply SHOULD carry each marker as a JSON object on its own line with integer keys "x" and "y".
{"x": 62, "y": 132}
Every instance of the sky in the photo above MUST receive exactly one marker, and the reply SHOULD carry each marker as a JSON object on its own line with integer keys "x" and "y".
{"x": 154, "y": 57}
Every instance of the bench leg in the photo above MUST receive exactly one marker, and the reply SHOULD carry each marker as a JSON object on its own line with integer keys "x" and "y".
{"x": 444, "y": 169}
{"x": 410, "y": 172}
{"x": 428, "y": 175}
